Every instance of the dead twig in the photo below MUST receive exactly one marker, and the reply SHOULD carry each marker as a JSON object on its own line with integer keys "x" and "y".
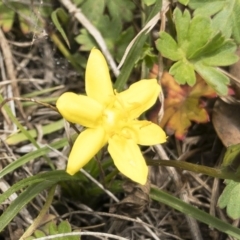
{"x": 8, "y": 58}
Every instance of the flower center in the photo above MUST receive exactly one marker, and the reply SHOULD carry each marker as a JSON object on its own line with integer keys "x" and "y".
{"x": 115, "y": 119}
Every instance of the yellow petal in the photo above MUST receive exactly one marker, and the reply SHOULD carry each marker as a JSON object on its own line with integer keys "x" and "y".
{"x": 87, "y": 144}
{"x": 98, "y": 81}
{"x": 148, "y": 133}
{"x": 79, "y": 109}
{"x": 140, "y": 96}
{"x": 128, "y": 158}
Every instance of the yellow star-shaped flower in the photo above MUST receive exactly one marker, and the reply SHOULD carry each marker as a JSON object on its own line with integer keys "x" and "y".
{"x": 110, "y": 117}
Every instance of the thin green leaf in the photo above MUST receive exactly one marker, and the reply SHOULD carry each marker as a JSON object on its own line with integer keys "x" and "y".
{"x": 32, "y": 155}
{"x": 135, "y": 52}
{"x": 45, "y": 181}
{"x": 194, "y": 212}
{"x": 59, "y": 175}
{"x": 23, "y": 130}
{"x": 21, "y": 201}
{"x": 58, "y": 16}
{"x": 46, "y": 129}
{"x": 42, "y": 91}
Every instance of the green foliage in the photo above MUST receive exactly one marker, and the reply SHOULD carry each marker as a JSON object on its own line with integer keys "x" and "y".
{"x": 231, "y": 159}
{"x": 52, "y": 228}
{"x": 32, "y": 187}
{"x": 47, "y": 129}
{"x": 149, "y": 2}
{"x": 199, "y": 47}
{"x": 59, "y": 17}
{"x": 201, "y": 44}
{"x": 78, "y": 2}
{"x": 225, "y": 15}
{"x": 110, "y": 26}
{"x": 6, "y": 17}
{"x": 184, "y": 2}
{"x": 135, "y": 52}
{"x": 28, "y": 20}
{"x": 181, "y": 206}
{"x": 147, "y": 56}
{"x": 230, "y": 198}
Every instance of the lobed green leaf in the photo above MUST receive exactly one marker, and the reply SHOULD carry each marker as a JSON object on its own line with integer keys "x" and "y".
{"x": 236, "y": 22}
{"x": 182, "y": 22}
{"x": 230, "y": 199}
{"x": 199, "y": 33}
{"x": 225, "y": 15}
{"x": 206, "y": 7}
{"x": 168, "y": 47}
{"x": 223, "y": 20}
{"x": 217, "y": 80}
{"x": 149, "y": 2}
{"x": 93, "y": 10}
{"x": 118, "y": 7}
{"x": 184, "y": 2}
{"x": 183, "y": 72}
{"x": 213, "y": 44}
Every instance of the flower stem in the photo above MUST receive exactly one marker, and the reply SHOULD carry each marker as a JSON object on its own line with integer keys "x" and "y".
{"x": 213, "y": 172}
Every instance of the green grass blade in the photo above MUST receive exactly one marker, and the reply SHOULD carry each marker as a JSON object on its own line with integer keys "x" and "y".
{"x": 42, "y": 91}
{"x": 32, "y": 155}
{"x": 23, "y": 130}
{"x": 56, "y": 176}
{"x": 21, "y": 201}
{"x": 194, "y": 212}
{"x": 49, "y": 128}
{"x": 44, "y": 100}
{"x": 44, "y": 182}
{"x": 135, "y": 52}
{"x": 18, "y": 124}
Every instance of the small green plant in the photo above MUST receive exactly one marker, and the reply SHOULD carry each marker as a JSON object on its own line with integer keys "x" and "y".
{"x": 110, "y": 25}
{"x": 199, "y": 47}
{"x": 51, "y": 229}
